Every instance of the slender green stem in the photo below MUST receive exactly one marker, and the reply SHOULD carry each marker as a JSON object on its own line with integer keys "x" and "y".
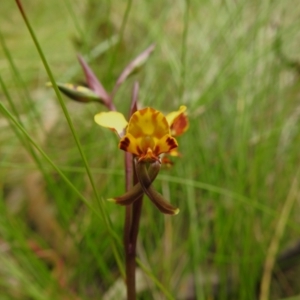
{"x": 7, "y": 114}
{"x": 69, "y": 121}
{"x": 292, "y": 197}
{"x": 184, "y": 50}
{"x": 70, "y": 9}
{"x": 23, "y": 140}
{"x": 195, "y": 242}
{"x": 124, "y": 21}
{"x": 121, "y": 34}
{"x": 26, "y": 99}
{"x": 33, "y": 155}
{"x": 156, "y": 281}
{"x": 61, "y": 102}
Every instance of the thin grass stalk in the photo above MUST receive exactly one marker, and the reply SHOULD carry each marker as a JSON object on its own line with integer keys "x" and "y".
{"x": 184, "y": 49}
{"x": 225, "y": 192}
{"x": 124, "y": 21}
{"x": 61, "y": 102}
{"x": 26, "y": 99}
{"x": 71, "y": 126}
{"x": 69, "y": 5}
{"x": 112, "y": 234}
{"x": 293, "y": 195}
{"x": 167, "y": 238}
{"x": 195, "y": 245}
{"x": 121, "y": 34}
{"x": 155, "y": 280}
{"x": 27, "y": 145}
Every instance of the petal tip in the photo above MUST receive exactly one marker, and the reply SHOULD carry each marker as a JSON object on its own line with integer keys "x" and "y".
{"x": 112, "y": 120}
{"x": 111, "y": 200}
{"x": 176, "y": 212}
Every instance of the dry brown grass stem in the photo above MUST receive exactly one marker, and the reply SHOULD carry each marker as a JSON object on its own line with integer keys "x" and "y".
{"x": 292, "y": 196}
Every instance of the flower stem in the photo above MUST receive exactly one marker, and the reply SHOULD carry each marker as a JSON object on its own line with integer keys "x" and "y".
{"x": 131, "y": 229}
{"x": 129, "y": 255}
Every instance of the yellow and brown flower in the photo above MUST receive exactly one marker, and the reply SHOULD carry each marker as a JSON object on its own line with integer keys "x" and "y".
{"x": 148, "y": 132}
{"x": 147, "y": 135}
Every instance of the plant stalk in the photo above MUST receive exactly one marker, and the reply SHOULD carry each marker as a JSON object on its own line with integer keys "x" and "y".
{"x": 131, "y": 229}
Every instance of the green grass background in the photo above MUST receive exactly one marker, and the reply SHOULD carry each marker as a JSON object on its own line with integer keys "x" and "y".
{"x": 235, "y": 65}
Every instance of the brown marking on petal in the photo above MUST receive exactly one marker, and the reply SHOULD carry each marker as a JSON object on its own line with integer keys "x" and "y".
{"x": 156, "y": 149}
{"x": 171, "y": 143}
{"x": 144, "y": 111}
{"x": 124, "y": 143}
{"x": 134, "y": 118}
{"x": 153, "y": 118}
{"x": 166, "y": 161}
{"x": 180, "y": 125}
{"x": 138, "y": 149}
{"x": 154, "y": 115}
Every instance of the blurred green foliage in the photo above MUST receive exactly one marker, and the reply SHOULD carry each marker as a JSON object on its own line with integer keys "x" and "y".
{"x": 234, "y": 65}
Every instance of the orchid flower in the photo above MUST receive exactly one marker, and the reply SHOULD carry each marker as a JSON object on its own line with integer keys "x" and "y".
{"x": 147, "y": 135}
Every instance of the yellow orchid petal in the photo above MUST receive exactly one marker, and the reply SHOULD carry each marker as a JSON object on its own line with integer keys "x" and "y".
{"x": 174, "y": 153}
{"x": 180, "y": 125}
{"x": 148, "y": 135}
{"x": 130, "y": 144}
{"x": 167, "y": 144}
{"x": 148, "y": 122}
{"x": 174, "y": 114}
{"x": 178, "y": 121}
{"x": 147, "y": 148}
{"x": 112, "y": 120}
